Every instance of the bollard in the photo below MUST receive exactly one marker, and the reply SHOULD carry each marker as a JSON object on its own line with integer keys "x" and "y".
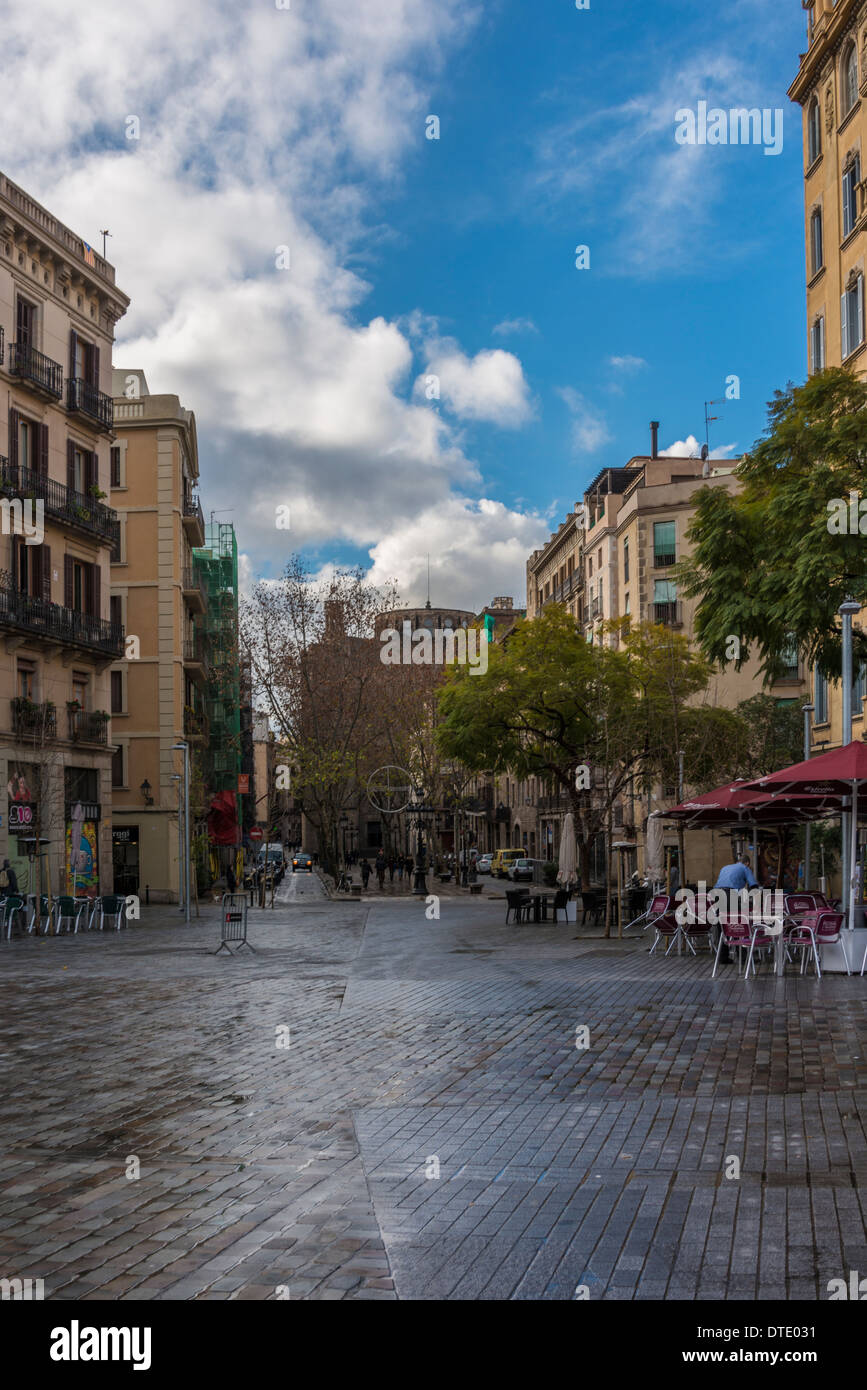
{"x": 147, "y": 894}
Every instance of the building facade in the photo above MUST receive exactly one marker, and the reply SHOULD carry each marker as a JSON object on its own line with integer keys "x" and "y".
{"x": 58, "y": 308}
{"x": 158, "y": 688}
{"x": 831, "y": 89}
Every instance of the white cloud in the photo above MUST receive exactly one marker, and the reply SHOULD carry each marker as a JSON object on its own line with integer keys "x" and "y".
{"x": 627, "y": 364}
{"x": 690, "y": 448}
{"x": 490, "y": 386}
{"x": 514, "y": 326}
{"x": 589, "y": 426}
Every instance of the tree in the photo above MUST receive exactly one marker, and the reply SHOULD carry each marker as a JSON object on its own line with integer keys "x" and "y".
{"x": 549, "y": 705}
{"x": 771, "y": 564}
{"x": 772, "y": 736}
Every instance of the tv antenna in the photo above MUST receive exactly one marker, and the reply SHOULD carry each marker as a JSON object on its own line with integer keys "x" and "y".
{"x": 104, "y": 232}
{"x": 708, "y": 420}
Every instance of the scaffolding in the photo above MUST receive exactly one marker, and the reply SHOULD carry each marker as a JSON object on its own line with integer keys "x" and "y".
{"x": 216, "y": 564}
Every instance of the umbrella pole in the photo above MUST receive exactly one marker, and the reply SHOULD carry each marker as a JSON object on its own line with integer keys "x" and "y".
{"x": 853, "y": 856}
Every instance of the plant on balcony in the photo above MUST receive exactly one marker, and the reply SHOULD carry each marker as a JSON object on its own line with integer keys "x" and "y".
{"x": 82, "y": 513}
{"x": 97, "y": 492}
{"x": 73, "y": 705}
{"x": 101, "y": 714}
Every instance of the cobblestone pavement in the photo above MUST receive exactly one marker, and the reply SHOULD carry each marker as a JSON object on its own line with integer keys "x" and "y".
{"x": 419, "y": 1047}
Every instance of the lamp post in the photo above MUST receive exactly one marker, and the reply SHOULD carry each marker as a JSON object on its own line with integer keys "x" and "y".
{"x": 847, "y": 611}
{"x": 807, "y": 710}
{"x": 185, "y": 749}
{"x": 176, "y": 777}
{"x": 418, "y": 810}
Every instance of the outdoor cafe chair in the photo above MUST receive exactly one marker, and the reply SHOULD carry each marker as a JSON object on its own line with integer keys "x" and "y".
{"x": 735, "y": 933}
{"x": 828, "y": 931}
{"x": 695, "y": 923}
{"x": 108, "y": 909}
{"x": 561, "y": 900}
{"x": 798, "y": 903}
{"x": 8, "y": 908}
{"x": 45, "y": 913}
{"x": 801, "y": 936}
{"x": 760, "y": 940}
{"x": 591, "y": 902}
{"x": 666, "y": 925}
{"x": 70, "y": 910}
{"x": 519, "y": 902}
{"x": 657, "y": 908}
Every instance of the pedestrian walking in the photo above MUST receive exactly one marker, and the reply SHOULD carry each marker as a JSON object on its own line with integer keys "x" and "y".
{"x": 9, "y": 879}
{"x": 391, "y": 868}
{"x": 365, "y": 872}
{"x": 379, "y": 866}
{"x": 231, "y": 880}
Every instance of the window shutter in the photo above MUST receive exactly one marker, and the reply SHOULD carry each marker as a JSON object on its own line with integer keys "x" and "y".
{"x": 70, "y": 464}
{"x": 94, "y": 366}
{"x": 68, "y": 586}
{"x": 16, "y": 562}
{"x": 46, "y": 572}
{"x": 13, "y": 438}
{"x": 73, "y": 344}
{"x": 859, "y": 311}
{"x": 43, "y": 450}
{"x": 844, "y": 323}
{"x": 96, "y": 594}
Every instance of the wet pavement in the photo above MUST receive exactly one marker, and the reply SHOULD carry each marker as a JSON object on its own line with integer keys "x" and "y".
{"x": 377, "y": 1104}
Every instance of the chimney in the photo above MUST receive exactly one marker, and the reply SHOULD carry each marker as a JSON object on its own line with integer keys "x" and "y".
{"x": 654, "y": 439}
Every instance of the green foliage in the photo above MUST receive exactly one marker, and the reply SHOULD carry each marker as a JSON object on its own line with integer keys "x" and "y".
{"x": 764, "y": 563}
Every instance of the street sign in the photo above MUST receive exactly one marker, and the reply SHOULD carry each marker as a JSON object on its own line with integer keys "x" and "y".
{"x": 256, "y": 832}
{"x": 243, "y": 784}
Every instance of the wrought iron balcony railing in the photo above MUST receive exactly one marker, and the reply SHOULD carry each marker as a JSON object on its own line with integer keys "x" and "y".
{"x": 88, "y": 400}
{"x": 88, "y": 726}
{"x": 41, "y": 371}
{"x": 39, "y": 618}
{"x": 61, "y": 503}
{"x": 193, "y": 511}
{"x": 33, "y": 720}
{"x": 670, "y": 614}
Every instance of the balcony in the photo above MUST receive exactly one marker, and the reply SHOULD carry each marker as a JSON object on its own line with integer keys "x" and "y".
{"x": 33, "y": 721}
{"x": 559, "y": 801}
{"x": 193, "y": 520}
{"x": 195, "y": 725}
{"x": 197, "y": 658}
{"x": 502, "y": 813}
{"x": 664, "y": 559}
{"x": 88, "y": 726}
{"x": 62, "y": 504}
{"x": 84, "y": 399}
{"x": 40, "y": 372}
{"x": 669, "y": 614}
{"x": 595, "y": 608}
{"x": 195, "y": 593}
{"x": 36, "y": 619}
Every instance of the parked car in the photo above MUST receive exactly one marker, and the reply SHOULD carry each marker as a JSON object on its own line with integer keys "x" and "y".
{"x": 483, "y": 864}
{"x": 302, "y": 861}
{"x": 271, "y": 860}
{"x": 503, "y": 858}
{"x": 520, "y": 869}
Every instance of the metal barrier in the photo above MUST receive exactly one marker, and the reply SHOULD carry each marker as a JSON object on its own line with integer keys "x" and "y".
{"x": 233, "y": 910}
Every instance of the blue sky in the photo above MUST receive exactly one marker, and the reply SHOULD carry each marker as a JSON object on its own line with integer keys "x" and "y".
{"x": 411, "y": 257}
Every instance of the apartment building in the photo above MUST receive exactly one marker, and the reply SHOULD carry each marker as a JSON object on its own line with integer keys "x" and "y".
{"x": 831, "y": 89}
{"x": 58, "y": 308}
{"x": 158, "y": 687}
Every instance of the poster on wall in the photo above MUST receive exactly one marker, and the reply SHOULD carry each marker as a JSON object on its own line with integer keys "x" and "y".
{"x": 87, "y": 866}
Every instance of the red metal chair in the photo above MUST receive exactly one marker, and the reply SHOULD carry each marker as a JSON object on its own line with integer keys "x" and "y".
{"x": 828, "y": 931}
{"x": 666, "y": 925}
{"x": 734, "y": 932}
{"x": 697, "y": 920}
{"x": 798, "y": 903}
{"x": 656, "y": 908}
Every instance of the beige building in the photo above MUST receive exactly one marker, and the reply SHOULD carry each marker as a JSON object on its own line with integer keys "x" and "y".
{"x": 58, "y": 308}
{"x": 831, "y": 88}
{"x": 157, "y": 594}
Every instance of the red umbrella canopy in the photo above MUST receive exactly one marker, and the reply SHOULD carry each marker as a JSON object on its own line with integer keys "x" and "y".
{"x": 738, "y": 801}
{"x": 830, "y": 774}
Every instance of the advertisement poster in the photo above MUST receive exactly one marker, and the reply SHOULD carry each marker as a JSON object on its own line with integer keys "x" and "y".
{"x": 87, "y": 871}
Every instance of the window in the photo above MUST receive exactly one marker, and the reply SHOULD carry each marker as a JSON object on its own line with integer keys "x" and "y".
{"x": 117, "y": 768}
{"x": 79, "y": 689}
{"x": 84, "y": 361}
{"x": 820, "y": 697}
{"x": 26, "y": 680}
{"x": 80, "y": 784}
{"x": 859, "y": 689}
{"x": 850, "y": 79}
{"x": 31, "y": 566}
{"x": 25, "y": 325}
{"x": 626, "y": 562}
{"x": 626, "y": 605}
{"x": 817, "y": 345}
{"x": 852, "y": 315}
{"x": 27, "y": 444}
{"x": 814, "y": 132}
{"x": 817, "y": 255}
{"x": 789, "y": 661}
{"x": 81, "y": 586}
{"x": 115, "y": 466}
{"x": 851, "y": 180}
{"x": 116, "y": 692}
{"x": 115, "y": 610}
{"x": 664, "y": 543}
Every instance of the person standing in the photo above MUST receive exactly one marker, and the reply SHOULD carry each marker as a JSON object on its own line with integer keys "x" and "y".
{"x": 365, "y": 872}
{"x": 392, "y": 865}
{"x": 734, "y": 877}
{"x": 379, "y": 866}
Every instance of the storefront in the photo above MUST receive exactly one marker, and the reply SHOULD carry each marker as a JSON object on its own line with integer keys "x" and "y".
{"x": 125, "y": 857}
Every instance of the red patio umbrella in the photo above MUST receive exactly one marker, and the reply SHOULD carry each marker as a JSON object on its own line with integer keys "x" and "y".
{"x": 836, "y": 773}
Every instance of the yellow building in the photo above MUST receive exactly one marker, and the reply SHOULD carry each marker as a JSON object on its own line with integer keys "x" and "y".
{"x": 831, "y": 88}
{"x": 157, "y": 696}
{"x": 58, "y": 308}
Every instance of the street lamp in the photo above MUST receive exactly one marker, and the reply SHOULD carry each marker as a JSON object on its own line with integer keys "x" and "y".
{"x": 176, "y": 777}
{"x": 418, "y": 811}
{"x": 847, "y": 610}
{"x": 145, "y": 790}
{"x": 185, "y": 749}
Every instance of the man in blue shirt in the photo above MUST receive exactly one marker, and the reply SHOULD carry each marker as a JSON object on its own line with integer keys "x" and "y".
{"x": 737, "y": 875}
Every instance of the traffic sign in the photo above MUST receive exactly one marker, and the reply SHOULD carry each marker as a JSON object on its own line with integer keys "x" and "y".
{"x": 256, "y": 832}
